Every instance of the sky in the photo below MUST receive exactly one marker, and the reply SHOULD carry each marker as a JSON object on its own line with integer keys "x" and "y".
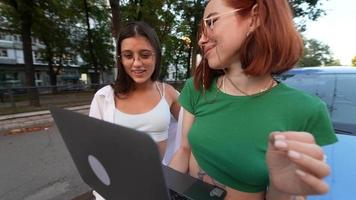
{"x": 336, "y": 29}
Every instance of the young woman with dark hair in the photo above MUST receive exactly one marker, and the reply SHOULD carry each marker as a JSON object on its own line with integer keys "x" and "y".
{"x": 137, "y": 99}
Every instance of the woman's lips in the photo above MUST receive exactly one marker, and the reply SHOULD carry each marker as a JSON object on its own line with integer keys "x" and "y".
{"x": 138, "y": 72}
{"x": 207, "y": 49}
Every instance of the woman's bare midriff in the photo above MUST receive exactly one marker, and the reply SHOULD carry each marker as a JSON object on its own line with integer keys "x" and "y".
{"x": 231, "y": 194}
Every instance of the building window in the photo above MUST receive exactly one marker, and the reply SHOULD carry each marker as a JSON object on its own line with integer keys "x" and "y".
{"x": 17, "y": 38}
{"x": 34, "y": 40}
{"x": 3, "y": 53}
{"x": 38, "y": 57}
{"x": 2, "y": 36}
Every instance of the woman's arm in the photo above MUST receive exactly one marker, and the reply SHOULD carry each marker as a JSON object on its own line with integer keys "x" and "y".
{"x": 173, "y": 98}
{"x": 175, "y": 108}
{"x": 180, "y": 160}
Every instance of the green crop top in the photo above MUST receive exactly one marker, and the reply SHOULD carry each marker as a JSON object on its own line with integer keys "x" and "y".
{"x": 229, "y": 136}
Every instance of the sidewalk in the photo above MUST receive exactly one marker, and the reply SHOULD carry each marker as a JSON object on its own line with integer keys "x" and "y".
{"x": 17, "y": 123}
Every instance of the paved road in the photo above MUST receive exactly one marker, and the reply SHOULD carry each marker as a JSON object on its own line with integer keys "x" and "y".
{"x": 37, "y": 166}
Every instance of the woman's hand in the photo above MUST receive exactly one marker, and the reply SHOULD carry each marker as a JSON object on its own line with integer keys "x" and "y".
{"x": 296, "y": 164}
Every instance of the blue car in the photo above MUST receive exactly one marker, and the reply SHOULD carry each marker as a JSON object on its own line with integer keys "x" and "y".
{"x": 336, "y": 86}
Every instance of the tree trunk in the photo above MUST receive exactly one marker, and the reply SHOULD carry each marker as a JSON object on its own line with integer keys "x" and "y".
{"x": 51, "y": 72}
{"x": 189, "y": 66}
{"x": 115, "y": 21}
{"x": 95, "y": 77}
{"x": 116, "y": 18}
{"x": 139, "y": 5}
{"x": 194, "y": 36}
{"x": 25, "y": 11}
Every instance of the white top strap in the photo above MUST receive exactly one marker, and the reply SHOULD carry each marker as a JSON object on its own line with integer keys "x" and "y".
{"x": 164, "y": 89}
{"x": 161, "y": 93}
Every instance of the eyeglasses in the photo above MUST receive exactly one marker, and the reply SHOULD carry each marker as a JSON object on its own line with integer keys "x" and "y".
{"x": 143, "y": 56}
{"x": 209, "y": 23}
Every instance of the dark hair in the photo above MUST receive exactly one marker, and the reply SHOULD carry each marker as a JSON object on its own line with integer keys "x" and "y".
{"x": 274, "y": 47}
{"x": 124, "y": 83}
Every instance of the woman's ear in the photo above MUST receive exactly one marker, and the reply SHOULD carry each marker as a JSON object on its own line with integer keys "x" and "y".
{"x": 255, "y": 20}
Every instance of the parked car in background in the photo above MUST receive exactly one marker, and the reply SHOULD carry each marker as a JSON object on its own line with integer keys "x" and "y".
{"x": 336, "y": 86}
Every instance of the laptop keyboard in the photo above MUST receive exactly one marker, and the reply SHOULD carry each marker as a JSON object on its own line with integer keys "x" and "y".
{"x": 176, "y": 196}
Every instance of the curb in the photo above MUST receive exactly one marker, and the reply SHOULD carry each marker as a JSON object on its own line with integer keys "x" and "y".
{"x": 37, "y": 113}
{"x": 31, "y": 121}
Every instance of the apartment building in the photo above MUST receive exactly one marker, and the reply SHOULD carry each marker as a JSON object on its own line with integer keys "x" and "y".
{"x": 12, "y": 69}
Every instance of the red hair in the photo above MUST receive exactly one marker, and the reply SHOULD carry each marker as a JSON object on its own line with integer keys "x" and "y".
{"x": 274, "y": 47}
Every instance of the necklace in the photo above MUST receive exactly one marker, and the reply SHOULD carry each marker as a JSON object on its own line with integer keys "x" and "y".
{"x": 268, "y": 87}
{"x": 213, "y": 99}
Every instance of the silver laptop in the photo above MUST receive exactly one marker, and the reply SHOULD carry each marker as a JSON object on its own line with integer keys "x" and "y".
{"x": 122, "y": 163}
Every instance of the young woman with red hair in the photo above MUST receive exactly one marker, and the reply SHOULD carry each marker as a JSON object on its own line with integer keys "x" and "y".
{"x": 242, "y": 129}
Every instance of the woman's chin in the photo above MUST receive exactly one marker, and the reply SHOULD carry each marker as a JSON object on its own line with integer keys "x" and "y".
{"x": 140, "y": 79}
{"x": 215, "y": 65}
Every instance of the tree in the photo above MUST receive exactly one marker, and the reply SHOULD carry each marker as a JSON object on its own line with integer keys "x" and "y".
{"x": 305, "y": 10}
{"x": 175, "y": 19}
{"x": 19, "y": 15}
{"x": 92, "y": 35}
{"x": 53, "y": 28}
{"x": 317, "y": 54}
{"x": 354, "y": 61}
{"x": 89, "y": 37}
{"x": 115, "y": 17}
{"x": 162, "y": 16}
{"x": 192, "y": 15}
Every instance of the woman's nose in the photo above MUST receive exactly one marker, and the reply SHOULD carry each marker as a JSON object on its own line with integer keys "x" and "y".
{"x": 202, "y": 40}
{"x": 137, "y": 61}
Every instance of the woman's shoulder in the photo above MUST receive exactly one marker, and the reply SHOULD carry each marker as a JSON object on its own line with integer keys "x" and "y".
{"x": 189, "y": 81}
{"x": 105, "y": 91}
{"x": 169, "y": 90}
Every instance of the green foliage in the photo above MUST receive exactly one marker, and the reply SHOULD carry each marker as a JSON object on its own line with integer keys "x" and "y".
{"x": 353, "y": 61}
{"x": 317, "y": 54}
{"x": 169, "y": 19}
{"x": 100, "y": 30}
{"x": 305, "y": 10}
{"x": 188, "y": 14}
{"x": 61, "y": 25}
{"x": 18, "y": 15}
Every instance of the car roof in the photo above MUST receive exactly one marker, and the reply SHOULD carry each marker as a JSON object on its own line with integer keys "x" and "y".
{"x": 323, "y": 70}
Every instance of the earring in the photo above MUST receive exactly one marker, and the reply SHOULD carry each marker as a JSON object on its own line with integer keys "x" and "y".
{"x": 248, "y": 33}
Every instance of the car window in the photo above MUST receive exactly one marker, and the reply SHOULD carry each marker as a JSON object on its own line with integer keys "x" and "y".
{"x": 344, "y": 108}
{"x": 338, "y": 91}
{"x": 301, "y": 81}
{"x": 321, "y": 85}
{"x": 325, "y": 87}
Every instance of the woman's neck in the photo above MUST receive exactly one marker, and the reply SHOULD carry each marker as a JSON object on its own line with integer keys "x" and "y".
{"x": 240, "y": 82}
{"x": 141, "y": 87}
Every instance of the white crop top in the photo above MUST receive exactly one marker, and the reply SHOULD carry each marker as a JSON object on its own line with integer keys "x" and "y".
{"x": 154, "y": 122}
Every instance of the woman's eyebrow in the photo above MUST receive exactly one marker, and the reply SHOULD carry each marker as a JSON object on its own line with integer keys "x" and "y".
{"x": 211, "y": 14}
